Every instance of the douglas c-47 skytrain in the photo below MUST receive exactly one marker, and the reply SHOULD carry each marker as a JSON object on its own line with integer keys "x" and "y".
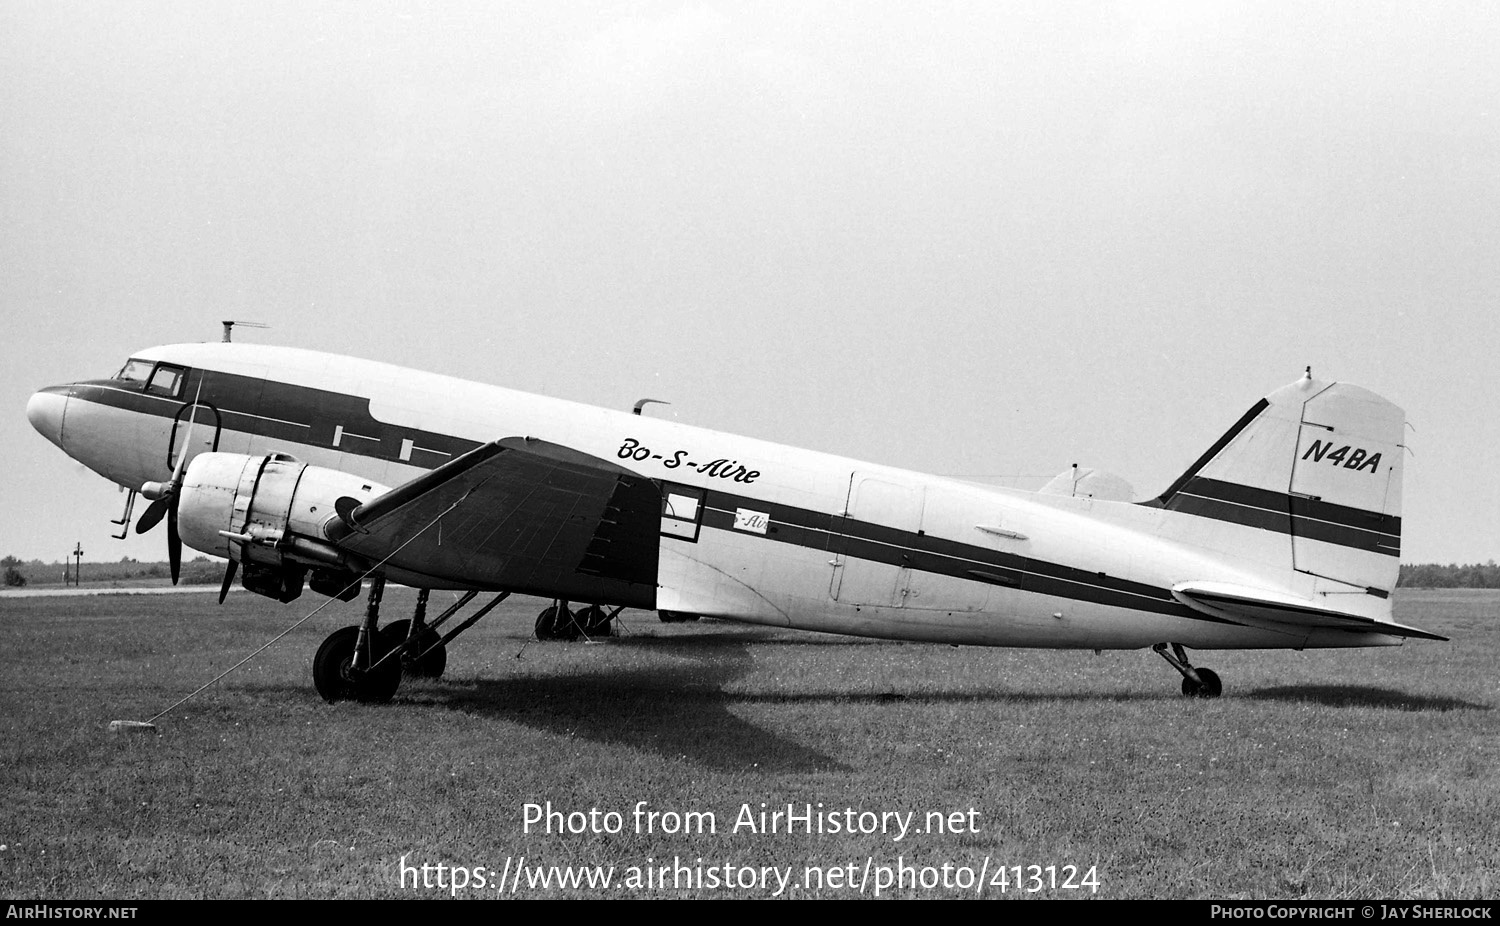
{"x": 311, "y": 469}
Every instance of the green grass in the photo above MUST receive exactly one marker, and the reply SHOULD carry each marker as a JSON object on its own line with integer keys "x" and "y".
{"x": 1329, "y": 774}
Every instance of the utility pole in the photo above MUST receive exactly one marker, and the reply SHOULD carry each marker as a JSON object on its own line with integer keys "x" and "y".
{"x": 78, "y": 570}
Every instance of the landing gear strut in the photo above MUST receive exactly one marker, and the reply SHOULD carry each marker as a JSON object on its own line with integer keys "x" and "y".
{"x": 1196, "y": 683}
{"x": 597, "y": 622}
{"x": 558, "y": 623}
{"x": 426, "y": 656}
{"x": 349, "y": 667}
{"x": 365, "y": 663}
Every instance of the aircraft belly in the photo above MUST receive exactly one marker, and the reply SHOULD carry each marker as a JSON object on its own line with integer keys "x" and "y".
{"x": 1020, "y": 619}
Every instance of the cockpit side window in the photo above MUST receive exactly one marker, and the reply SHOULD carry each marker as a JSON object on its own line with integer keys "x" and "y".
{"x": 166, "y": 380}
{"x": 135, "y": 371}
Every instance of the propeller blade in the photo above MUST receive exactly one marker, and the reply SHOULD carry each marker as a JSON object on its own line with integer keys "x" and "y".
{"x": 228, "y": 579}
{"x": 152, "y": 514}
{"x": 187, "y": 441}
{"x": 174, "y": 542}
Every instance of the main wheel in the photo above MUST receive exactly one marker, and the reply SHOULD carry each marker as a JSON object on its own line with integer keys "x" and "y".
{"x": 556, "y": 624}
{"x": 431, "y": 665}
{"x": 336, "y": 680}
{"x": 595, "y": 621}
{"x": 1211, "y": 687}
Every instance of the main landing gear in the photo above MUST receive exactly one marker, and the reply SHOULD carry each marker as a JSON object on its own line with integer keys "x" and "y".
{"x": 427, "y": 657}
{"x": 366, "y": 663}
{"x": 559, "y": 623}
{"x": 1196, "y": 683}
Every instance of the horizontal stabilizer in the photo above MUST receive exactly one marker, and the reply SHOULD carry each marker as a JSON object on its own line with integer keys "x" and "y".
{"x": 1281, "y": 612}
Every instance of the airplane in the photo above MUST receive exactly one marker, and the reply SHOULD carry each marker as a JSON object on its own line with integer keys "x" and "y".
{"x": 306, "y": 468}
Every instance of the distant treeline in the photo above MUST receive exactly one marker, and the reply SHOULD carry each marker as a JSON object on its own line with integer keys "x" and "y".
{"x": 14, "y": 572}
{"x": 1431, "y": 575}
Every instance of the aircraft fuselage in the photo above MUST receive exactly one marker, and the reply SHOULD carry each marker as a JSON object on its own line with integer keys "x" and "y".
{"x": 751, "y": 530}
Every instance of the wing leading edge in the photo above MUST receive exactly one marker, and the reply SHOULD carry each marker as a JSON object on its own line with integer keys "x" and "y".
{"x": 519, "y": 514}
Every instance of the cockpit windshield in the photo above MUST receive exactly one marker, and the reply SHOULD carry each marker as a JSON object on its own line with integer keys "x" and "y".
{"x": 153, "y": 377}
{"x": 135, "y": 371}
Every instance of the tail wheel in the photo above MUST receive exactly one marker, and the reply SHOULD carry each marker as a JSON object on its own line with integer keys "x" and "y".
{"x": 335, "y": 676}
{"x": 431, "y": 665}
{"x": 1210, "y": 687}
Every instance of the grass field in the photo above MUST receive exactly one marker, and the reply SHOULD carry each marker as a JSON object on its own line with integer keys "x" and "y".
{"x": 1333, "y": 774}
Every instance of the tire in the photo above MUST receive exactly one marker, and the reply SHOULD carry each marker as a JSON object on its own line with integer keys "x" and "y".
{"x": 595, "y": 622}
{"x": 544, "y": 624}
{"x": 555, "y": 624}
{"x": 334, "y": 681}
{"x": 432, "y": 665}
{"x": 1210, "y": 688}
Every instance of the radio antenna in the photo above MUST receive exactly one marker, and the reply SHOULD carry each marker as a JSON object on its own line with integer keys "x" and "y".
{"x": 229, "y": 326}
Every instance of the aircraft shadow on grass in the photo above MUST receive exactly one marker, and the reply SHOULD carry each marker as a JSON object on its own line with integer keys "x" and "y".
{"x": 685, "y": 712}
{"x": 1363, "y": 696}
{"x": 679, "y": 710}
{"x": 685, "y": 709}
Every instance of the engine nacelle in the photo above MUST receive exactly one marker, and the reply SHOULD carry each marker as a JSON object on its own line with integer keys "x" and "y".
{"x": 268, "y": 513}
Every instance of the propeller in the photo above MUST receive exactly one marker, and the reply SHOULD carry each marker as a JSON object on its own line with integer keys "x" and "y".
{"x": 228, "y": 579}
{"x": 164, "y": 498}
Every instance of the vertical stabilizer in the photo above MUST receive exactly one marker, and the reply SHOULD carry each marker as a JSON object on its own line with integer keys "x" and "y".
{"x": 1319, "y": 463}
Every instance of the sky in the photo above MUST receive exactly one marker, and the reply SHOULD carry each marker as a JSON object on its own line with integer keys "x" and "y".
{"x": 973, "y": 239}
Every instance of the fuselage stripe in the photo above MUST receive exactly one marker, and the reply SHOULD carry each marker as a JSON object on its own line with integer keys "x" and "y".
{"x": 1282, "y": 513}
{"x": 835, "y": 534}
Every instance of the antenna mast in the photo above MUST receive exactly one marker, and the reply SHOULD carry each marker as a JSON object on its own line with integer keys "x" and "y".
{"x": 229, "y": 326}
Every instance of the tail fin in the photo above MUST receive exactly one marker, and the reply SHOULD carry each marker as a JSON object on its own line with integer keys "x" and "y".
{"x": 1320, "y": 463}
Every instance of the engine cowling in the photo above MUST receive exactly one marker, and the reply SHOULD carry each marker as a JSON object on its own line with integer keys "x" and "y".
{"x": 268, "y": 513}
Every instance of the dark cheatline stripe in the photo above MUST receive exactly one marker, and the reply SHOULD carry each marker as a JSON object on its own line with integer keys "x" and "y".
{"x": 1300, "y": 506}
{"x": 285, "y": 412}
{"x": 1311, "y": 518}
{"x": 894, "y": 547}
{"x": 303, "y": 414}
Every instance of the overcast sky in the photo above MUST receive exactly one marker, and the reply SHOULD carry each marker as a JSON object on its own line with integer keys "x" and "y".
{"x": 965, "y": 238}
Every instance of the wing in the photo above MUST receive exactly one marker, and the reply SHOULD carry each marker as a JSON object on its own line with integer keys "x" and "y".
{"x": 520, "y": 514}
{"x": 1285, "y": 613}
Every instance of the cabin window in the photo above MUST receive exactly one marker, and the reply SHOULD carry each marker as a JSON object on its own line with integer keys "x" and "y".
{"x": 681, "y": 511}
{"x": 166, "y": 380}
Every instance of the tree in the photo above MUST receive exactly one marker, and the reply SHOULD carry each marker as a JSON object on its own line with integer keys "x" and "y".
{"x": 1453, "y": 575}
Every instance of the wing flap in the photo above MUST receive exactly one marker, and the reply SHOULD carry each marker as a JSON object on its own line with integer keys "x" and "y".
{"x": 520, "y": 514}
{"x": 1286, "y": 613}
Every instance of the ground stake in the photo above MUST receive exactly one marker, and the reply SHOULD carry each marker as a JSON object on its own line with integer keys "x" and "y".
{"x": 131, "y": 726}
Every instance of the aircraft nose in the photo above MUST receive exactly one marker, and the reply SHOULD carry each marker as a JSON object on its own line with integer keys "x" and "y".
{"x": 45, "y": 412}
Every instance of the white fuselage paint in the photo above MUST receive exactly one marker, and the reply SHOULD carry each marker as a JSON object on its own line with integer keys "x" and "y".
{"x": 740, "y": 574}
